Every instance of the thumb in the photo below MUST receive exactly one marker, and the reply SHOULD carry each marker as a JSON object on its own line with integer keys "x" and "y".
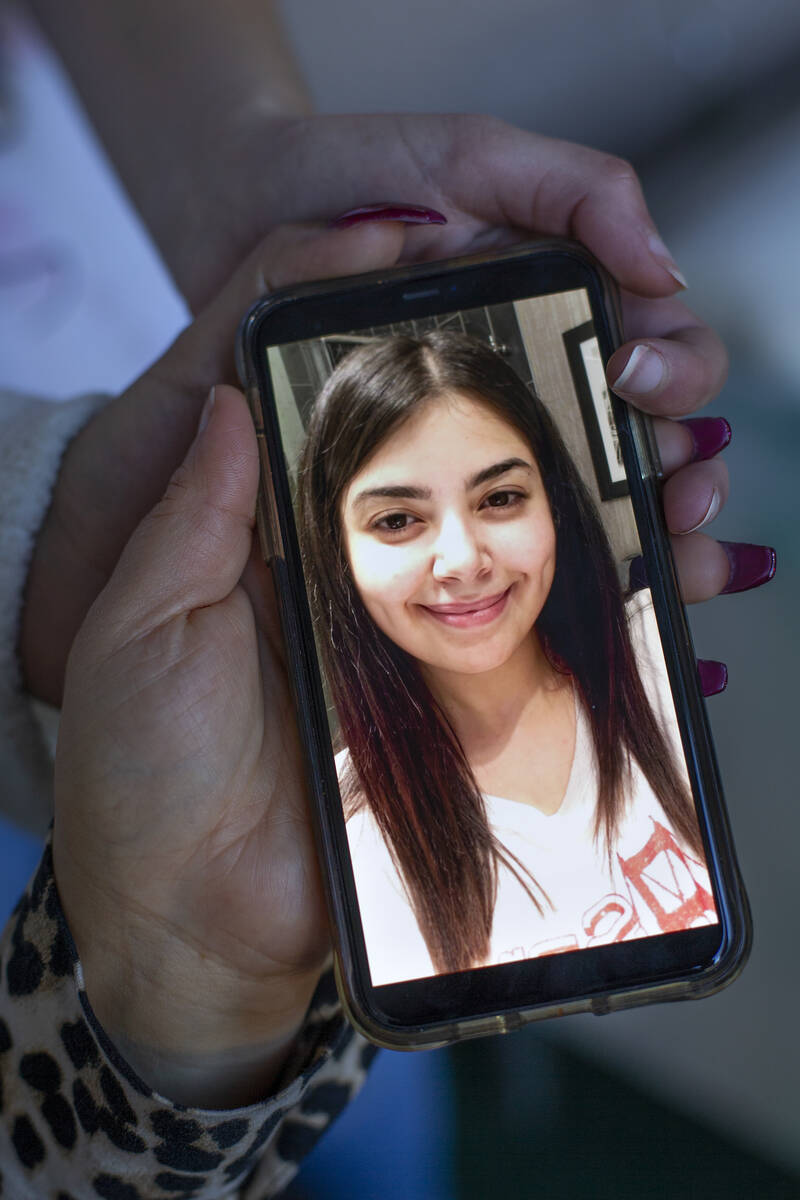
{"x": 190, "y": 550}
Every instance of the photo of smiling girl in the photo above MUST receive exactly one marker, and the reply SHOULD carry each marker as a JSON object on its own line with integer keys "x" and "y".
{"x": 508, "y": 755}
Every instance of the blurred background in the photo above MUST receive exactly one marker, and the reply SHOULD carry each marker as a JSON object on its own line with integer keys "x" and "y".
{"x": 691, "y": 1100}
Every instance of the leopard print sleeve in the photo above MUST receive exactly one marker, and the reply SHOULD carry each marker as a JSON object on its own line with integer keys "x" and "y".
{"x": 75, "y": 1120}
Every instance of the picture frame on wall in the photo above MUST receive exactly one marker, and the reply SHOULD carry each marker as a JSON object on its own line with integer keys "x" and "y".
{"x": 588, "y": 374}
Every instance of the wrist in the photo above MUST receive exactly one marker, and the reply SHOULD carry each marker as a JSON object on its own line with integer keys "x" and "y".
{"x": 193, "y": 1028}
{"x": 230, "y": 1078}
{"x": 147, "y": 984}
{"x": 193, "y": 1031}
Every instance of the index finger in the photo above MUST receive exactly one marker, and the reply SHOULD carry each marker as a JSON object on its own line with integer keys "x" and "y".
{"x": 547, "y": 186}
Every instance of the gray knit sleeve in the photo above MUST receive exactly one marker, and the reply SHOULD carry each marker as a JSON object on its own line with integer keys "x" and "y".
{"x": 33, "y": 436}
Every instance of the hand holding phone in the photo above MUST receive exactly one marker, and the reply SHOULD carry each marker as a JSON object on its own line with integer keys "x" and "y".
{"x": 170, "y": 390}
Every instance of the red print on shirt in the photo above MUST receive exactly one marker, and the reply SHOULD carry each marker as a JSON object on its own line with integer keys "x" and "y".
{"x": 665, "y": 877}
{"x": 660, "y": 878}
{"x": 612, "y": 919}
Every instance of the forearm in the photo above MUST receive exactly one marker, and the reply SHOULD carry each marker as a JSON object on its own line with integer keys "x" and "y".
{"x": 168, "y": 86}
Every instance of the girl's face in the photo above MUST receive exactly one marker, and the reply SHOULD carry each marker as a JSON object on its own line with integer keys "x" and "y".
{"x": 450, "y": 537}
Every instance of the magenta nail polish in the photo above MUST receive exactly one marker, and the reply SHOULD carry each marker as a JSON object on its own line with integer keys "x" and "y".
{"x": 751, "y": 566}
{"x": 710, "y": 435}
{"x": 713, "y": 676}
{"x": 409, "y": 214}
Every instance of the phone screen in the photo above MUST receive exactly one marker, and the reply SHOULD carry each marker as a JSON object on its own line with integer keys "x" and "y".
{"x": 510, "y": 766}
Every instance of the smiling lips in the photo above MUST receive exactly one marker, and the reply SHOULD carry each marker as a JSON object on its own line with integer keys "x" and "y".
{"x": 469, "y": 613}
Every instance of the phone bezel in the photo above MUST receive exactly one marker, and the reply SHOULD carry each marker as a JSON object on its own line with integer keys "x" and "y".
{"x": 446, "y": 1007}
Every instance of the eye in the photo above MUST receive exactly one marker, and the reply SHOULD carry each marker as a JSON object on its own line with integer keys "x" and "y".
{"x": 503, "y": 499}
{"x": 396, "y": 522}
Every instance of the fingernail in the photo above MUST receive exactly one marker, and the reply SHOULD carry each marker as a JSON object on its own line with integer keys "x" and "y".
{"x": 709, "y": 434}
{"x": 205, "y": 415}
{"x": 637, "y": 574}
{"x": 409, "y": 214}
{"x": 644, "y": 371}
{"x": 712, "y": 510}
{"x": 713, "y": 676}
{"x": 751, "y": 566}
{"x": 664, "y": 259}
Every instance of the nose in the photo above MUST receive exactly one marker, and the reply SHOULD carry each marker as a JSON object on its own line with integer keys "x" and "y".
{"x": 459, "y": 552}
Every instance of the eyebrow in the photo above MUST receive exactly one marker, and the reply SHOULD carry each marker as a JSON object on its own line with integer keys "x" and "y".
{"x": 497, "y": 469}
{"x": 399, "y": 491}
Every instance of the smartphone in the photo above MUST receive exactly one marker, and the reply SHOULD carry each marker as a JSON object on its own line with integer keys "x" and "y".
{"x": 516, "y": 800}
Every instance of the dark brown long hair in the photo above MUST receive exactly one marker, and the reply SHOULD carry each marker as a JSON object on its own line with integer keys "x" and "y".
{"x": 405, "y": 760}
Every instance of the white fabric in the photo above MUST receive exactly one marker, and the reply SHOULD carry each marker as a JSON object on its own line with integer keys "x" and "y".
{"x": 649, "y": 885}
{"x": 33, "y": 436}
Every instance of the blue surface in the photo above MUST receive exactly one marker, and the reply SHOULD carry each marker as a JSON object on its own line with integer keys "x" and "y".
{"x": 19, "y": 856}
{"x": 394, "y": 1142}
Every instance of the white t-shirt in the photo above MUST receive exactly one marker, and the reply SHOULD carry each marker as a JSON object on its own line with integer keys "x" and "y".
{"x": 650, "y": 885}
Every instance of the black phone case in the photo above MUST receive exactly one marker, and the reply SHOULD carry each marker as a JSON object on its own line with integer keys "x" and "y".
{"x": 266, "y": 324}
